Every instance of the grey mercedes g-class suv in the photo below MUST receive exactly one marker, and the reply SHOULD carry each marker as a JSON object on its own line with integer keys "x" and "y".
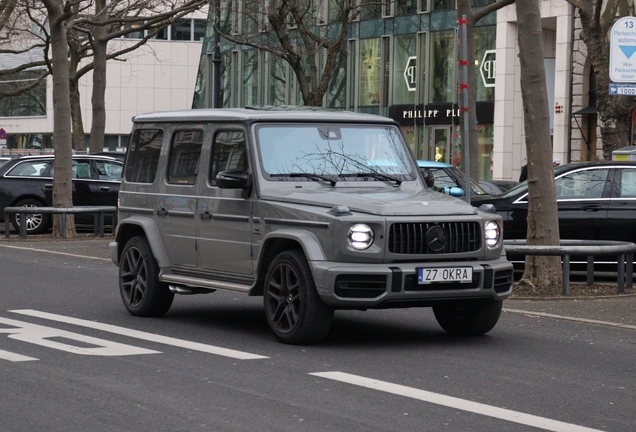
{"x": 313, "y": 210}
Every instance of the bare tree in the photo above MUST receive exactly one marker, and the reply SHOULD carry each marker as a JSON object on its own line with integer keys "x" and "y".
{"x": 58, "y": 11}
{"x": 56, "y": 19}
{"x": 91, "y": 26}
{"x": 288, "y": 29}
{"x": 543, "y": 223}
{"x": 113, "y": 19}
{"x": 614, "y": 112}
{"x": 464, "y": 8}
{"x": 6, "y": 11}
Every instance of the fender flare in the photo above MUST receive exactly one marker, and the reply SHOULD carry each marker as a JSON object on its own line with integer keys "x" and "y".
{"x": 152, "y": 234}
{"x": 307, "y": 240}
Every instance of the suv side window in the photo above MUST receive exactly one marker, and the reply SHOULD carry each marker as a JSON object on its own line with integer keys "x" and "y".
{"x": 143, "y": 155}
{"x": 184, "y": 157}
{"x": 229, "y": 152}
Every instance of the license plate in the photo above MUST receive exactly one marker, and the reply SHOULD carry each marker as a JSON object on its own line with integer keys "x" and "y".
{"x": 444, "y": 274}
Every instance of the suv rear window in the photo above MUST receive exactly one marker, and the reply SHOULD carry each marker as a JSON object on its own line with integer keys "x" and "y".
{"x": 143, "y": 155}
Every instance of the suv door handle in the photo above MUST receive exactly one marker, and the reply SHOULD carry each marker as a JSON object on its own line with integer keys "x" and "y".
{"x": 104, "y": 188}
{"x": 162, "y": 212}
{"x": 48, "y": 185}
{"x": 205, "y": 215}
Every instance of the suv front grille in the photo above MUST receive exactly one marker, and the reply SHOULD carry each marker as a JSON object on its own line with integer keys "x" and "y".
{"x": 411, "y": 238}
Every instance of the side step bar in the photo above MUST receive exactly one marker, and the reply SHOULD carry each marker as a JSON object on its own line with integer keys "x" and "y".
{"x": 192, "y": 285}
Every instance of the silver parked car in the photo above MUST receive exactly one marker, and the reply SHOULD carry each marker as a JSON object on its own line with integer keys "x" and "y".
{"x": 314, "y": 211}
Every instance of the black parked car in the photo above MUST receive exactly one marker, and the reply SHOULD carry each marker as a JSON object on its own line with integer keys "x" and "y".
{"x": 596, "y": 201}
{"x": 28, "y": 182}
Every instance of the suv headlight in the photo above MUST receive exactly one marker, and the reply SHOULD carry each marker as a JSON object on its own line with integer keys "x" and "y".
{"x": 492, "y": 234}
{"x": 360, "y": 237}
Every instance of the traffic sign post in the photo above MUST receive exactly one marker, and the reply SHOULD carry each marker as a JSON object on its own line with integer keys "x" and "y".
{"x": 622, "y": 89}
{"x": 622, "y": 49}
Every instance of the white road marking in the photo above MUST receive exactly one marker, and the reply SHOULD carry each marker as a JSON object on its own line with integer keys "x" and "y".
{"x": 54, "y": 252}
{"x": 456, "y": 403}
{"x": 568, "y": 318}
{"x": 52, "y": 338}
{"x": 151, "y": 337}
{"x": 6, "y": 355}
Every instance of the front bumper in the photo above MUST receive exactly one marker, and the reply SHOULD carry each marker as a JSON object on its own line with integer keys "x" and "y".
{"x": 113, "y": 252}
{"x": 374, "y": 286}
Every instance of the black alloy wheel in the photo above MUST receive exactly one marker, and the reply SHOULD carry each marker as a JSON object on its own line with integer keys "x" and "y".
{"x": 294, "y": 310}
{"x": 141, "y": 291}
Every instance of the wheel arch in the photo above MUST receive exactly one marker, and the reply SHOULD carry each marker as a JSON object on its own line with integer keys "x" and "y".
{"x": 26, "y": 197}
{"x": 134, "y": 226}
{"x": 282, "y": 240}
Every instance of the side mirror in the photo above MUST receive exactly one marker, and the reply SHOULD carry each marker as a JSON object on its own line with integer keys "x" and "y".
{"x": 455, "y": 191}
{"x": 233, "y": 179}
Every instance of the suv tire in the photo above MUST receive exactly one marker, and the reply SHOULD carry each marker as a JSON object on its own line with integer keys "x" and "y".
{"x": 468, "y": 317}
{"x": 35, "y": 223}
{"x": 142, "y": 292}
{"x": 294, "y": 311}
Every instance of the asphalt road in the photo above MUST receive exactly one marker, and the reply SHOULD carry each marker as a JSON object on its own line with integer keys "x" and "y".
{"x": 74, "y": 360}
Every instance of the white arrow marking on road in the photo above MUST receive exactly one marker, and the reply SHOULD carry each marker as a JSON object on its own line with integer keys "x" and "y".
{"x": 6, "y": 355}
{"x": 151, "y": 337}
{"x": 43, "y": 336}
{"x": 456, "y": 403}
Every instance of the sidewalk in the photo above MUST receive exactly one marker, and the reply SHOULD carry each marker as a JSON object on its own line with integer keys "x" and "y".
{"x": 613, "y": 309}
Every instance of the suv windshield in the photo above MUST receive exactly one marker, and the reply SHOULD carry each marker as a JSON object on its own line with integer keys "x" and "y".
{"x": 346, "y": 152}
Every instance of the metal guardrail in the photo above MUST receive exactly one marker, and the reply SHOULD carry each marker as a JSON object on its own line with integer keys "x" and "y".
{"x": 624, "y": 252}
{"x": 98, "y": 211}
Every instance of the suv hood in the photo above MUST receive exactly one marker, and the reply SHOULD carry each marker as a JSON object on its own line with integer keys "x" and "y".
{"x": 384, "y": 202}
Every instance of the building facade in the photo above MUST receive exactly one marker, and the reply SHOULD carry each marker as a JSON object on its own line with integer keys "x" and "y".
{"x": 158, "y": 76}
{"x": 399, "y": 61}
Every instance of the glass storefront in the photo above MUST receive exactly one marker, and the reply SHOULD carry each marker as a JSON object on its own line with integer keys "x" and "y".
{"x": 396, "y": 62}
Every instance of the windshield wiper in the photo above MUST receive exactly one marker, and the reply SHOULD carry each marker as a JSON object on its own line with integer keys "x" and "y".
{"x": 375, "y": 175}
{"x": 315, "y": 177}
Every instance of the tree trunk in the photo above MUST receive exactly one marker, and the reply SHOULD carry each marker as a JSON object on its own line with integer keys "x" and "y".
{"x": 99, "y": 45}
{"x": 62, "y": 186}
{"x": 543, "y": 223}
{"x": 78, "y": 140}
{"x": 464, "y": 8}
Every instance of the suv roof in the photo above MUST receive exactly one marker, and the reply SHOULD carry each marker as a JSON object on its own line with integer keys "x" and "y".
{"x": 250, "y": 114}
